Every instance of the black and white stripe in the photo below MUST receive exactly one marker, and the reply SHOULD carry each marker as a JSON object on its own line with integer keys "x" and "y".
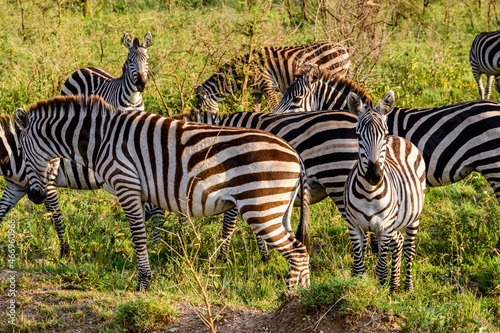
{"x": 326, "y": 142}
{"x": 384, "y": 192}
{"x": 276, "y": 68}
{"x": 69, "y": 175}
{"x": 123, "y": 92}
{"x": 454, "y": 140}
{"x": 484, "y": 58}
{"x": 183, "y": 167}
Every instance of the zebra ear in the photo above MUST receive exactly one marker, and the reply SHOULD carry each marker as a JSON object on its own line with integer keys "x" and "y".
{"x": 387, "y": 103}
{"x": 147, "y": 41}
{"x": 22, "y": 119}
{"x": 127, "y": 41}
{"x": 354, "y": 104}
{"x": 314, "y": 74}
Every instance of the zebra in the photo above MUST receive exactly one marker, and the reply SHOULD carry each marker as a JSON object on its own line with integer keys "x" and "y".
{"x": 325, "y": 141}
{"x": 275, "y": 71}
{"x": 484, "y": 59}
{"x": 454, "y": 139}
{"x": 384, "y": 192}
{"x": 317, "y": 89}
{"x": 123, "y": 92}
{"x": 183, "y": 167}
{"x": 69, "y": 175}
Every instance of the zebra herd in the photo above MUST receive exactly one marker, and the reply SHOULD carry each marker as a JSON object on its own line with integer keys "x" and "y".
{"x": 324, "y": 138}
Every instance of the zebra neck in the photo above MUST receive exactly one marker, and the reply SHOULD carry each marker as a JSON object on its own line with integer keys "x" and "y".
{"x": 127, "y": 94}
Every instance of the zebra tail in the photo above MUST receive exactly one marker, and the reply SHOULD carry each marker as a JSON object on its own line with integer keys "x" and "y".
{"x": 303, "y": 234}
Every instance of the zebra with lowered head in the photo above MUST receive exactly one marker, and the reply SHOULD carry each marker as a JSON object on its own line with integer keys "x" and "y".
{"x": 183, "y": 167}
{"x": 484, "y": 58}
{"x": 123, "y": 92}
{"x": 276, "y": 68}
{"x": 384, "y": 192}
{"x": 454, "y": 139}
{"x": 69, "y": 175}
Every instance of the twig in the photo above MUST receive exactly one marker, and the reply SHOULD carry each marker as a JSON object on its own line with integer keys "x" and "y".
{"x": 324, "y": 314}
{"x": 159, "y": 93}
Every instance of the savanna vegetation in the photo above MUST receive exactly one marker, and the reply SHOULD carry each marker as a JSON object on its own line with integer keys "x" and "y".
{"x": 419, "y": 49}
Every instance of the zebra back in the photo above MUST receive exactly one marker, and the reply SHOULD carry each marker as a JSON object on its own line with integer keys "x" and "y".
{"x": 123, "y": 92}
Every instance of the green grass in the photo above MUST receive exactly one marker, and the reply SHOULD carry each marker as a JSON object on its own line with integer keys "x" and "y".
{"x": 424, "y": 59}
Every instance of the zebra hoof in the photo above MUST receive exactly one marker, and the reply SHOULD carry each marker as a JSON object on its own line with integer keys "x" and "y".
{"x": 264, "y": 257}
{"x": 140, "y": 287}
{"x": 64, "y": 250}
{"x": 222, "y": 257}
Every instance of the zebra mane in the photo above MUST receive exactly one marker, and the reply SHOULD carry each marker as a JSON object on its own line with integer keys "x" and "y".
{"x": 7, "y": 124}
{"x": 339, "y": 83}
{"x": 7, "y": 133}
{"x": 93, "y": 103}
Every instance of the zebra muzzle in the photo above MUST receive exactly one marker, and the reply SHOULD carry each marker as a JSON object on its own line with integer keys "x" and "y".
{"x": 374, "y": 173}
{"x": 37, "y": 196}
{"x": 141, "y": 82}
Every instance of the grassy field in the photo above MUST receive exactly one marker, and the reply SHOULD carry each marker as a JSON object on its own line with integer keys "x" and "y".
{"x": 420, "y": 52}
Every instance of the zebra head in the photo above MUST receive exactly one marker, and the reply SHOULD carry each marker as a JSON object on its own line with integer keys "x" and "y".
{"x": 40, "y": 169}
{"x": 136, "y": 66}
{"x": 372, "y": 131}
{"x": 299, "y": 96}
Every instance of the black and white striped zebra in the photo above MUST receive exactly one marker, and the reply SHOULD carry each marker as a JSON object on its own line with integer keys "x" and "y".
{"x": 484, "y": 58}
{"x": 384, "y": 192}
{"x": 317, "y": 89}
{"x": 69, "y": 175}
{"x": 276, "y": 68}
{"x": 326, "y": 142}
{"x": 454, "y": 140}
{"x": 188, "y": 168}
{"x": 123, "y": 92}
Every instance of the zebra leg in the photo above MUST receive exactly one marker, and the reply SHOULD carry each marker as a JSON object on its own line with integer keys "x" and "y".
{"x": 276, "y": 236}
{"x": 491, "y": 173}
{"x": 409, "y": 250}
{"x": 357, "y": 236}
{"x": 52, "y": 206}
{"x": 10, "y": 198}
{"x": 257, "y": 98}
{"x": 157, "y": 217}
{"x": 489, "y": 81}
{"x": 271, "y": 97}
{"x": 381, "y": 268}
{"x": 228, "y": 225}
{"x": 477, "y": 76}
{"x": 131, "y": 203}
{"x": 396, "y": 247}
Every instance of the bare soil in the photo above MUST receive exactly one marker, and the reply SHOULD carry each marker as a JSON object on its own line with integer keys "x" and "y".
{"x": 66, "y": 310}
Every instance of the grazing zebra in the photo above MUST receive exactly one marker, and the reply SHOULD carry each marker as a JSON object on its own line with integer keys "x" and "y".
{"x": 318, "y": 89}
{"x": 326, "y": 142}
{"x": 276, "y": 70}
{"x": 454, "y": 140}
{"x": 123, "y": 92}
{"x": 484, "y": 58}
{"x": 69, "y": 175}
{"x": 183, "y": 167}
{"x": 384, "y": 192}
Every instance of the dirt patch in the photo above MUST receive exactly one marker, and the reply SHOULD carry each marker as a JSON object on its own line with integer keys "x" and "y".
{"x": 290, "y": 317}
{"x": 42, "y": 307}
